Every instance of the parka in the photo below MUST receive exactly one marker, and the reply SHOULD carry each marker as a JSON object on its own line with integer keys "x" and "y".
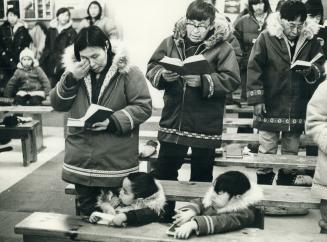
{"x": 55, "y": 44}
{"x": 270, "y": 80}
{"x": 142, "y": 211}
{"x": 12, "y": 41}
{"x": 103, "y": 158}
{"x": 27, "y": 79}
{"x": 193, "y": 116}
{"x": 316, "y": 127}
{"x": 239, "y": 212}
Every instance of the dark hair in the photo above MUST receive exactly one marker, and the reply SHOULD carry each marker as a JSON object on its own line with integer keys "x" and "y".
{"x": 143, "y": 184}
{"x": 266, "y": 8}
{"x": 200, "y": 10}
{"x": 292, "y": 9}
{"x": 232, "y": 182}
{"x": 315, "y": 8}
{"x": 63, "y": 10}
{"x": 88, "y": 12}
{"x": 92, "y": 36}
{"x": 13, "y": 10}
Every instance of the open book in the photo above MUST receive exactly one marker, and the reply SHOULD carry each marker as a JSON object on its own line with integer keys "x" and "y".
{"x": 94, "y": 114}
{"x": 300, "y": 64}
{"x": 234, "y": 151}
{"x": 193, "y": 65}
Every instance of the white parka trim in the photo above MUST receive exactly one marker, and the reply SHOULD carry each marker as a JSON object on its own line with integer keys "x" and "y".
{"x": 236, "y": 203}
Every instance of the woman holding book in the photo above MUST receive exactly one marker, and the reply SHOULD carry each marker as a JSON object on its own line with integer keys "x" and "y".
{"x": 103, "y": 154}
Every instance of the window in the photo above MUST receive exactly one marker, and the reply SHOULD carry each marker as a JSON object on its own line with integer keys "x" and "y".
{"x": 29, "y": 9}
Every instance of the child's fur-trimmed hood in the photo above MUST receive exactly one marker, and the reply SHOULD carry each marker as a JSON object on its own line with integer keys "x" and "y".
{"x": 54, "y": 24}
{"x": 236, "y": 203}
{"x": 275, "y": 28}
{"x": 155, "y": 202}
{"x": 222, "y": 31}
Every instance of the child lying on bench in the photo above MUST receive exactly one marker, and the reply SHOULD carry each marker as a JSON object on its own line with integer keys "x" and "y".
{"x": 140, "y": 201}
{"x": 228, "y": 205}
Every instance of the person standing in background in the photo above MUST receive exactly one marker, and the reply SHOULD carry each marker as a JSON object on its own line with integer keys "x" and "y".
{"x": 14, "y": 37}
{"x": 95, "y": 17}
{"x": 60, "y": 35}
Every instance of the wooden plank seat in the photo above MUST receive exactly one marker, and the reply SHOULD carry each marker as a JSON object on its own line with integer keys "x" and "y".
{"x": 229, "y": 138}
{"x": 257, "y": 161}
{"x": 27, "y": 134}
{"x": 36, "y": 113}
{"x": 53, "y": 227}
{"x": 239, "y": 109}
{"x": 274, "y": 196}
{"x": 153, "y": 123}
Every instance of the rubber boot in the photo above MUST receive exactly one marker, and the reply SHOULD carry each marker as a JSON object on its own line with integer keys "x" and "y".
{"x": 265, "y": 176}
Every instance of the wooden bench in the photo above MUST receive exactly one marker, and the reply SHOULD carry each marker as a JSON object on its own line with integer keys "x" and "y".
{"x": 258, "y": 161}
{"x": 281, "y": 197}
{"x": 229, "y": 138}
{"x": 52, "y": 227}
{"x": 27, "y": 133}
{"x": 36, "y": 113}
{"x": 153, "y": 123}
{"x": 239, "y": 109}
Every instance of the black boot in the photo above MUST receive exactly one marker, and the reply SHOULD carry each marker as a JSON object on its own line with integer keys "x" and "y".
{"x": 265, "y": 176}
{"x": 286, "y": 177}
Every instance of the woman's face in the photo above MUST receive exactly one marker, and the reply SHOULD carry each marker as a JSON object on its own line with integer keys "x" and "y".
{"x": 63, "y": 18}
{"x": 126, "y": 194}
{"x": 94, "y": 10}
{"x": 96, "y": 56}
{"x": 258, "y": 8}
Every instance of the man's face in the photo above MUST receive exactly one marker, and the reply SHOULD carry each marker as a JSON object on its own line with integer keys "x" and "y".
{"x": 292, "y": 29}
{"x": 12, "y": 18}
{"x": 258, "y": 8}
{"x": 63, "y": 18}
{"x": 197, "y": 30}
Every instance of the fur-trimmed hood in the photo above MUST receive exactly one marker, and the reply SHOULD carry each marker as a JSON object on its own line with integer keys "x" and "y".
{"x": 249, "y": 198}
{"x": 111, "y": 204}
{"x": 54, "y": 24}
{"x": 121, "y": 63}
{"x": 222, "y": 31}
{"x": 275, "y": 28}
{"x": 20, "y": 23}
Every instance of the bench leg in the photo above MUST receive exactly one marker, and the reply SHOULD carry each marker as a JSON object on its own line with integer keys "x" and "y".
{"x": 39, "y": 131}
{"x": 27, "y": 148}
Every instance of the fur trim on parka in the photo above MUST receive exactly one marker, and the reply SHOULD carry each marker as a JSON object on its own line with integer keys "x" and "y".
{"x": 222, "y": 31}
{"x": 54, "y": 24}
{"x": 249, "y": 198}
{"x": 110, "y": 203}
{"x": 120, "y": 63}
{"x": 275, "y": 28}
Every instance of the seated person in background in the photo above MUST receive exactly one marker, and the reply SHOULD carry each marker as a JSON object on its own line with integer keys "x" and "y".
{"x": 29, "y": 84}
{"x": 228, "y": 205}
{"x": 140, "y": 201}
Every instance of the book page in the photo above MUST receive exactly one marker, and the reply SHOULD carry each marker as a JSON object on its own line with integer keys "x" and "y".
{"x": 194, "y": 58}
{"x": 92, "y": 109}
{"x": 172, "y": 61}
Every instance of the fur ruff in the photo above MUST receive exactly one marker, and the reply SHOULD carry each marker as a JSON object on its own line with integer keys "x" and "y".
{"x": 222, "y": 31}
{"x": 251, "y": 197}
{"x": 155, "y": 202}
{"x": 35, "y": 64}
{"x": 120, "y": 63}
{"x": 275, "y": 28}
{"x": 54, "y": 24}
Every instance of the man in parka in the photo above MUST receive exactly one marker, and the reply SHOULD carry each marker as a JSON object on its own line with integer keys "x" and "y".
{"x": 193, "y": 104}
{"x": 278, "y": 93}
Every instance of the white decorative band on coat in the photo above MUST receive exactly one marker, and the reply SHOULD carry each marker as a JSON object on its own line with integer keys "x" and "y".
{"x": 88, "y": 171}
{"x": 129, "y": 117}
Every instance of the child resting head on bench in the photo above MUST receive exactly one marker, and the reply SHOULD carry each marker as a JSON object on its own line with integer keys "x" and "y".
{"x": 140, "y": 201}
{"x": 228, "y": 205}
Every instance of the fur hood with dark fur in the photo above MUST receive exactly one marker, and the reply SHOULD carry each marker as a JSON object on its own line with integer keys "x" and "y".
{"x": 249, "y": 198}
{"x": 221, "y": 32}
{"x": 111, "y": 204}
